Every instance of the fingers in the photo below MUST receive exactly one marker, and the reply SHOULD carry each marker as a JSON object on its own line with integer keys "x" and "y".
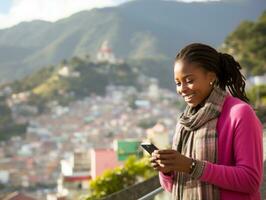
{"x": 166, "y": 162}
{"x": 161, "y": 167}
{"x": 156, "y": 166}
{"x": 153, "y": 159}
{"x": 154, "y": 163}
{"x": 165, "y": 154}
{"x": 165, "y": 151}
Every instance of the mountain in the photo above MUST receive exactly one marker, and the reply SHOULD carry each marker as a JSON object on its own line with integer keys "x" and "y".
{"x": 73, "y": 79}
{"x": 137, "y": 30}
{"x": 248, "y": 43}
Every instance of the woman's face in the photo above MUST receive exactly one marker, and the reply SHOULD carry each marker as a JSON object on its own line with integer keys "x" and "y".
{"x": 192, "y": 82}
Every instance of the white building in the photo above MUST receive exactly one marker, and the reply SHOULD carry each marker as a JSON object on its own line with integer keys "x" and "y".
{"x": 4, "y": 176}
{"x": 66, "y": 72}
{"x": 260, "y": 80}
{"x": 78, "y": 164}
{"x": 19, "y": 98}
{"x": 75, "y": 172}
{"x": 256, "y": 80}
{"x": 105, "y": 53}
{"x": 153, "y": 90}
{"x": 158, "y": 135}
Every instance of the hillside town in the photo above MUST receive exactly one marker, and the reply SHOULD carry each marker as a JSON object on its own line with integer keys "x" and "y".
{"x": 66, "y": 147}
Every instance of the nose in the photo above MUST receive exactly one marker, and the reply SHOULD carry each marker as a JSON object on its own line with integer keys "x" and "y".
{"x": 181, "y": 89}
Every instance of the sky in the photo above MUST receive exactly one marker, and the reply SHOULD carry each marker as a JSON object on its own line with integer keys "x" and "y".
{"x": 13, "y": 12}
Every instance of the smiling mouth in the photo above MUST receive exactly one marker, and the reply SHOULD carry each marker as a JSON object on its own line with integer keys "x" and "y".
{"x": 188, "y": 97}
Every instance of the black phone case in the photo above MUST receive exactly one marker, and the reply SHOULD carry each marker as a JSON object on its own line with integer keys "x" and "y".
{"x": 149, "y": 147}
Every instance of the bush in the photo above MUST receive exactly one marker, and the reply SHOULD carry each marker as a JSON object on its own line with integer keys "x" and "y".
{"x": 121, "y": 177}
{"x": 261, "y": 113}
{"x": 257, "y": 95}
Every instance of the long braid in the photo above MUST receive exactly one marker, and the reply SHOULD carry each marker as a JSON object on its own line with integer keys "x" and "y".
{"x": 232, "y": 76}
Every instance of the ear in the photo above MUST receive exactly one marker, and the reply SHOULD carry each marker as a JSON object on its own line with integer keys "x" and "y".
{"x": 211, "y": 76}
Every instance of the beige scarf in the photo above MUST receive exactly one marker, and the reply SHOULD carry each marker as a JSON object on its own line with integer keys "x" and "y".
{"x": 196, "y": 137}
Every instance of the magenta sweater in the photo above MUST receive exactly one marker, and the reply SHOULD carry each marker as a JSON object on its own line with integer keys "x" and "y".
{"x": 239, "y": 171}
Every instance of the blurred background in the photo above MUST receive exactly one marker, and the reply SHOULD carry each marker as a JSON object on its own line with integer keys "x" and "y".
{"x": 84, "y": 82}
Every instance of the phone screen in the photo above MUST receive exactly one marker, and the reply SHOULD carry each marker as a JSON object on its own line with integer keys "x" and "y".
{"x": 149, "y": 147}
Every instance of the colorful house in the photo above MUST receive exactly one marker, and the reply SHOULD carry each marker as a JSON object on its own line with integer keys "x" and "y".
{"x": 101, "y": 160}
{"x": 126, "y": 148}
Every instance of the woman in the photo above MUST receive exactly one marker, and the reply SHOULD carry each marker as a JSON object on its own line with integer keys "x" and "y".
{"x": 217, "y": 147}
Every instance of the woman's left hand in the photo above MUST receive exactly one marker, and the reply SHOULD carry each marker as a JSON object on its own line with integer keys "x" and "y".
{"x": 172, "y": 160}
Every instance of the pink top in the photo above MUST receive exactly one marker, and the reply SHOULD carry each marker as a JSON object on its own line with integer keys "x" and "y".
{"x": 239, "y": 171}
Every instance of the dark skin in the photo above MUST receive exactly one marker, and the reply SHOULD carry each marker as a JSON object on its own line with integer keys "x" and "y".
{"x": 194, "y": 84}
{"x": 168, "y": 160}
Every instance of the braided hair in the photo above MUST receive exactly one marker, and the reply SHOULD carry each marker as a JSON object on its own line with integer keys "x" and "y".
{"x": 226, "y": 68}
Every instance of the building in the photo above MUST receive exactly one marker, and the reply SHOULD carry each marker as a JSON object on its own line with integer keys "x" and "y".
{"x": 101, "y": 160}
{"x": 4, "y": 176}
{"x": 18, "y": 98}
{"x": 75, "y": 174}
{"x": 126, "y": 148}
{"x": 158, "y": 135}
{"x": 153, "y": 90}
{"x": 66, "y": 72}
{"x": 105, "y": 53}
{"x": 55, "y": 197}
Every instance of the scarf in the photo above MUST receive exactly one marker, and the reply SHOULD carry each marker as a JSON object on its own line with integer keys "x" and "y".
{"x": 196, "y": 137}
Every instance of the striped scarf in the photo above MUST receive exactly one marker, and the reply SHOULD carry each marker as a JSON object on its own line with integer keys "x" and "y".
{"x": 196, "y": 137}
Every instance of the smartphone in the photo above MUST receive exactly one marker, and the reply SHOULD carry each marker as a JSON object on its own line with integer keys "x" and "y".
{"x": 149, "y": 147}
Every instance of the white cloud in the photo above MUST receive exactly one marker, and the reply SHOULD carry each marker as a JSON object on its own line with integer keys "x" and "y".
{"x": 50, "y": 10}
{"x": 188, "y": 1}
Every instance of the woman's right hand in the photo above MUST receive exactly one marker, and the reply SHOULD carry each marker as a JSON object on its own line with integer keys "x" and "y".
{"x": 156, "y": 165}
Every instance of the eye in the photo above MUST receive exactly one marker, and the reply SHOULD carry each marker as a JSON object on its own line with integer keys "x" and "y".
{"x": 190, "y": 81}
{"x": 178, "y": 84}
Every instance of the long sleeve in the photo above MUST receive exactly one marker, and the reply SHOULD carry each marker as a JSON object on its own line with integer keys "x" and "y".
{"x": 246, "y": 174}
{"x": 166, "y": 181}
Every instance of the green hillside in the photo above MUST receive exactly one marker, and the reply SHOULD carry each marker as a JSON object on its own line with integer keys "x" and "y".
{"x": 248, "y": 44}
{"x": 82, "y": 79}
{"x": 8, "y": 127}
{"x": 141, "y": 29}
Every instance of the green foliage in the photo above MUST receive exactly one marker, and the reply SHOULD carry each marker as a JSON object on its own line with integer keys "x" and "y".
{"x": 11, "y": 130}
{"x": 121, "y": 177}
{"x": 248, "y": 44}
{"x": 31, "y": 81}
{"x": 47, "y": 85}
{"x": 257, "y": 95}
{"x": 161, "y": 68}
{"x": 31, "y": 45}
{"x": 5, "y": 115}
{"x": 131, "y": 102}
{"x": 147, "y": 123}
{"x": 261, "y": 113}
{"x": 2, "y": 186}
{"x": 7, "y": 126}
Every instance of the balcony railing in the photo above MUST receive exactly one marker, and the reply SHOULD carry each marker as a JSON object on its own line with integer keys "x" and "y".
{"x": 152, "y": 194}
{"x": 140, "y": 190}
{"x": 148, "y": 189}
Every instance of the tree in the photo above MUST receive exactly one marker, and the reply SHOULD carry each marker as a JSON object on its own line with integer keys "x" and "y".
{"x": 248, "y": 44}
{"x": 121, "y": 177}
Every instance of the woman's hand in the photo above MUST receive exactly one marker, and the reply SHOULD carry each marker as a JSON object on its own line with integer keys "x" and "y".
{"x": 156, "y": 166}
{"x": 169, "y": 160}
